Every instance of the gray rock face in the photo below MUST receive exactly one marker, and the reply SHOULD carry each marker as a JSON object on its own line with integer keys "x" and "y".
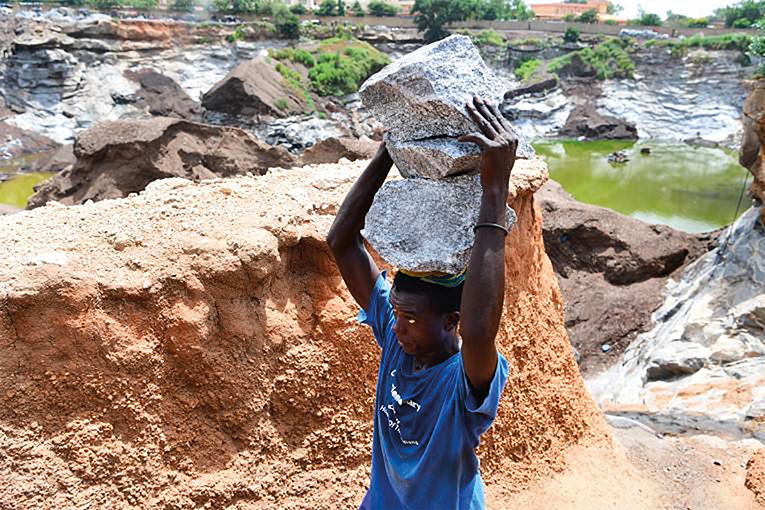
{"x": 426, "y": 225}
{"x": 703, "y": 363}
{"x": 423, "y": 94}
{"x": 432, "y": 157}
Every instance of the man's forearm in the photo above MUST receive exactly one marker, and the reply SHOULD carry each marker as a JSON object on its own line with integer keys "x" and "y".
{"x": 349, "y": 221}
{"x": 483, "y": 294}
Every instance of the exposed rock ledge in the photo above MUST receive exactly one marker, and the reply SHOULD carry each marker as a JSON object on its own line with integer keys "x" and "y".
{"x": 194, "y": 346}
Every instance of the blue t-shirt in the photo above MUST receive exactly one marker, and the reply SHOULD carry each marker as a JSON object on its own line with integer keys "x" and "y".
{"x": 427, "y": 424}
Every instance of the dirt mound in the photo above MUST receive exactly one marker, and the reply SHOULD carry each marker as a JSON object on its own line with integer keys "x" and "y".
{"x": 755, "y": 475}
{"x": 252, "y": 88}
{"x": 331, "y": 150}
{"x": 194, "y": 346}
{"x": 162, "y": 96}
{"x": 117, "y": 158}
{"x": 612, "y": 271}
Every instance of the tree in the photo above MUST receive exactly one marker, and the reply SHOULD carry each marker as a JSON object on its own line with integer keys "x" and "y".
{"x": 590, "y": 16}
{"x": 649, "y": 19}
{"x": 614, "y": 8}
{"x": 571, "y": 35}
{"x": 327, "y": 8}
{"x": 298, "y": 9}
{"x": 182, "y": 5}
{"x": 234, "y": 6}
{"x": 433, "y": 16}
{"x": 357, "y": 9}
{"x": 341, "y": 7}
{"x": 285, "y": 21}
{"x": 381, "y": 8}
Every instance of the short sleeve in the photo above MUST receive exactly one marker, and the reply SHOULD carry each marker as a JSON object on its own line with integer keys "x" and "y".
{"x": 479, "y": 415}
{"x": 379, "y": 313}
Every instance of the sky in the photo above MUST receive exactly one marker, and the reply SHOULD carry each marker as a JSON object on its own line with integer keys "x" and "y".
{"x": 692, "y": 8}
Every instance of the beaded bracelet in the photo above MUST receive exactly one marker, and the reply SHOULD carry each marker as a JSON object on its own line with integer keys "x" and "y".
{"x": 493, "y": 225}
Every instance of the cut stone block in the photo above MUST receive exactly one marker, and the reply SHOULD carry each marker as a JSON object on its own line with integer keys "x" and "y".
{"x": 436, "y": 158}
{"x": 423, "y": 94}
{"x": 426, "y": 225}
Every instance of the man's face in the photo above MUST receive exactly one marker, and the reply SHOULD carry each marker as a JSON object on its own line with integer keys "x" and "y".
{"x": 420, "y": 329}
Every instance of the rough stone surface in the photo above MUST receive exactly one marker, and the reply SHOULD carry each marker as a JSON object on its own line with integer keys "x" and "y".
{"x": 117, "y": 158}
{"x": 253, "y": 88}
{"x": 195, "y": 345}
{"x": 584, "y": 122}
{"x": 331, "y": 150}
{"x": 436, "y": 158}
{"x": 423, "y": 94}
{"x": 752, "y": 151}
{"x": 162, "y": 96}
{"x": 612, "y": 271}
{"x": 755, "y": 475}
{"x": 720, "y": 295}
{"x": 427, "y": 225}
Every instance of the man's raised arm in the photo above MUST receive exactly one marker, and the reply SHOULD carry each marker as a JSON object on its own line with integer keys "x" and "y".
{"x": 356, "y": 265}
{"x": 484, "y": 291}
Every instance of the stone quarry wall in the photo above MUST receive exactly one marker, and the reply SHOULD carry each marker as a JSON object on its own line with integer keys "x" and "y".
{"x": 194, "y": 346}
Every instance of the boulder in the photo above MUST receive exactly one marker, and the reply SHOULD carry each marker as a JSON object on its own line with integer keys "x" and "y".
{"x": 331, "y": 150}
{"x": 584, "y": 122}
{"x": 15, "y": 142}
{"x": 541, "y": 85}
{"x": 117, "y": 158}
{"x": 423, "y": 94}
{"x": 254, "y": 88}
{"x": 427, "y": 225}
{"x": 752, "y": 151}
{"x": 430, "y": 158}
{"x": 612, "y": 271}
{"x": 162, "y": 96}
{"x": 702, "y": 364}
{"x": 195, "y": 345}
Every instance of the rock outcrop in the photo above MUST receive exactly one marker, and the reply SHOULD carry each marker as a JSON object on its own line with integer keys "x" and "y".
{"x": 752, "y": 151}
{"x": 163, "y": 97}
{"x": 194, "y": 345}
{"x": 612, "y": 271}
{"x": 254, "y": 88}
{"x": 702, "y": 366}
{"x": 117, "y": 158}
{"x": 585, "y": 123}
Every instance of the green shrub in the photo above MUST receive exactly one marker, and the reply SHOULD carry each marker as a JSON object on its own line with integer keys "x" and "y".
{"x": 571, "y": 35}
{"x": 281, "y": 103}
{"x": 757, "y": 47}
{"x": 287, "y": 24}
{"x": 382, "y": 8}
{"x": 590, "y": 16}
{"x": 679, "y": 48}
{"x": 608, "y": 60}
{"x": 741, "y": 23}
{"x": 344, "y": 71}
{"x": 526, "y": 69}
{"x": 357, "y": 9}
{"x": 488, "y": 38}
{"x": 298, "y": 9}
{"x": 237, "y": 35}
{"x": 327, "y": 8}
{"x": 182, "y": 5}
{"x": 697, "y": 23}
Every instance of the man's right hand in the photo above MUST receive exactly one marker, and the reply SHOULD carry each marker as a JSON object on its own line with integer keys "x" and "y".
{"x": 497, "y": 142}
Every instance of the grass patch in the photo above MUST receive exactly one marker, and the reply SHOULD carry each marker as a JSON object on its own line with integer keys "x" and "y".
{"x": 337, "y": 67}
{"x": 679, "y": 47}
{"x": 281, "y": 103}
{"x": 488, "y": 38}
{"x": 526, "y": 69}
{"x": 608, "y": 59}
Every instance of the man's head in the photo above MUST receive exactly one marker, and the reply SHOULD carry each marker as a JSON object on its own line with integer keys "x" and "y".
{"x": 427, "y": 315}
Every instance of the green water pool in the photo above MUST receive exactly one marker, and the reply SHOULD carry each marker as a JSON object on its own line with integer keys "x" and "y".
{"x": 16, "y": 190}
{"x": 694, "y": 189}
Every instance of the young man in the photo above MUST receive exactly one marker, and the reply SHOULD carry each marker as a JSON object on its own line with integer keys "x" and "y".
{"x": 437, "y": 389}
